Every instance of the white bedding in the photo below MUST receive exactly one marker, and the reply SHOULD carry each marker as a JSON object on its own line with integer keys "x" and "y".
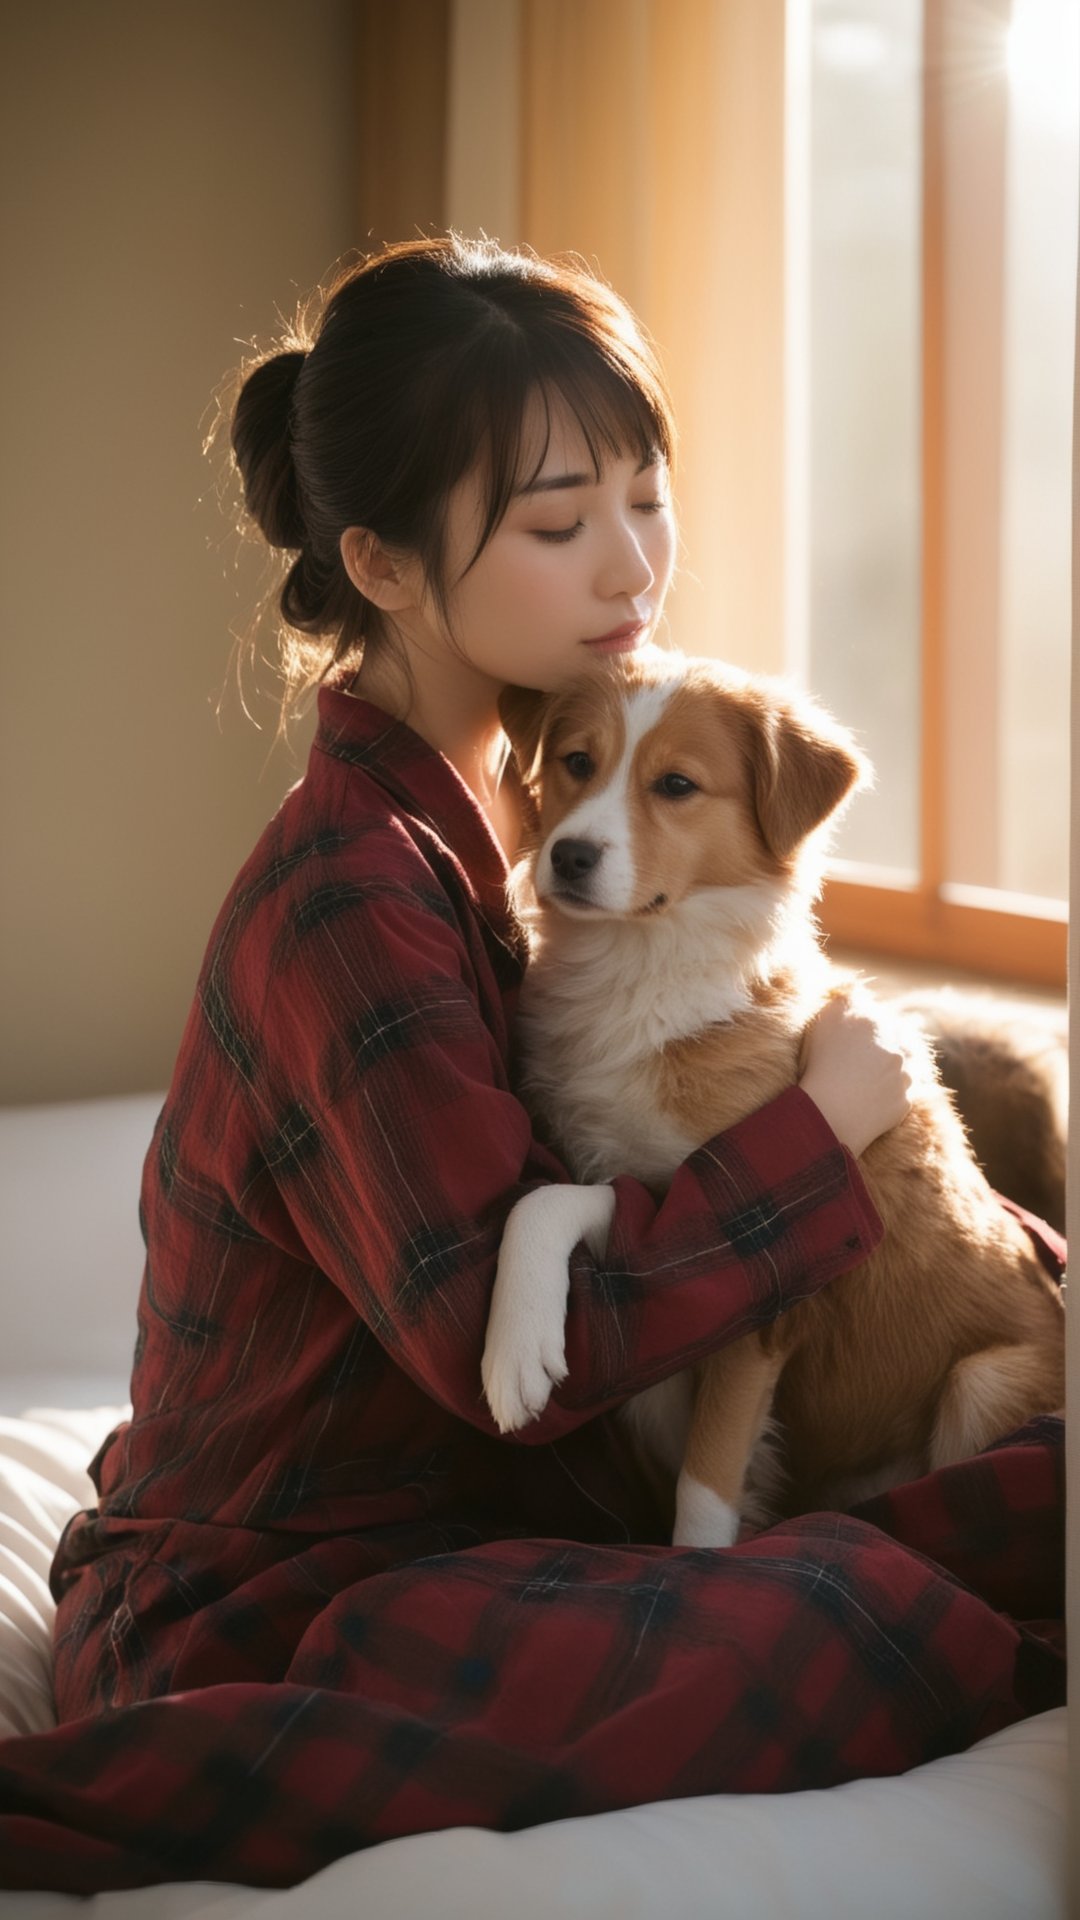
{"x": 980, "y": 1834}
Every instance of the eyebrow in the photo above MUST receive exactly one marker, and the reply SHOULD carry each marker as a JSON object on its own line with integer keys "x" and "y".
{"x": 557, "y": 482}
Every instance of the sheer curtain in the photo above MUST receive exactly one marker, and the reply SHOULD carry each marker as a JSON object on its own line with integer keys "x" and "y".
{"x": 647, "y": 135}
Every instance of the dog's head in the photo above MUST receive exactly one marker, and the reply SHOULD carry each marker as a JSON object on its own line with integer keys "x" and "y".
{"x": 661, "y": 777}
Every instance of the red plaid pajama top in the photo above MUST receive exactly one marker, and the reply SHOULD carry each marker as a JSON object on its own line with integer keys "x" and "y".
{"x": 320, "y": 1602}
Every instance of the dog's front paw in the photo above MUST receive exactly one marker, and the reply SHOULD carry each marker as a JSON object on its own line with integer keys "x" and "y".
{"x": 524, "y": 1358}
{"x": 525, "y": 1350}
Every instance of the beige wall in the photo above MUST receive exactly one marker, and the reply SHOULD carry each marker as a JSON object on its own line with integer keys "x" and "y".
{"x": 170, "y": 171}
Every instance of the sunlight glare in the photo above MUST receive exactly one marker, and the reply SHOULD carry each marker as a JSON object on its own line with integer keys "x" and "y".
{"x": 1042, "y": 57}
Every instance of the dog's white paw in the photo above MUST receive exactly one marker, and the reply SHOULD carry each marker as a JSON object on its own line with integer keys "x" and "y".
{"x": 524, "y": 1358}
{"x": 525, "y": 1351}
{"x": 702, "y": 1518}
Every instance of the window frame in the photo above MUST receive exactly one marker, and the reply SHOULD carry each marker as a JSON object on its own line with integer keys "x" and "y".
{"x": 923, "y": 917}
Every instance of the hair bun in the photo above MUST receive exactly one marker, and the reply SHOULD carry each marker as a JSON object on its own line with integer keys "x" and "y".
{"x": 262, "y": 443}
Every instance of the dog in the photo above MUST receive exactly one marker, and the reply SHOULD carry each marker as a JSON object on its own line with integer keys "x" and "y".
{"x": 1007, "y": 1065}
{"x": 678, "y": 818}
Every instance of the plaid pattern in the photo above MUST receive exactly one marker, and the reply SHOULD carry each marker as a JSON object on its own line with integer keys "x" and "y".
{"x": 321, "y": 1602}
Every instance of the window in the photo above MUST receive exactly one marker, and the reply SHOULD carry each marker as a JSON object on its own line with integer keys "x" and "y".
{"x": 932, "y": 213}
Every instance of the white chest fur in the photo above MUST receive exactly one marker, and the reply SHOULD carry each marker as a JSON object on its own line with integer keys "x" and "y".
{"x": 603, "y": 999}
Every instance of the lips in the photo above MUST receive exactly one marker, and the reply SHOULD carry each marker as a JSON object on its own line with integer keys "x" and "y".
{"x": 620, "y": 640}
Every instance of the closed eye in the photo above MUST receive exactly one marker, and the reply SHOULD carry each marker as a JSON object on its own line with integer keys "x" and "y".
{"x": 675, "y": 786}
{"x": 558, "y": 534}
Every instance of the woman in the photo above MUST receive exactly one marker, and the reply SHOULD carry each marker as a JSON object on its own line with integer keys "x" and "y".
{"x": 382, "y": 1617}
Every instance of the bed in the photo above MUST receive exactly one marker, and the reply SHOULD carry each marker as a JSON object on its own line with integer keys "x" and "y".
{"x": 981, "y": 1833}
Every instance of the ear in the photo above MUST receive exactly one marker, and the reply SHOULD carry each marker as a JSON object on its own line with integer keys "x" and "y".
{"x": 522, "y": 711}
{"x": 383, "y": 578}
{"x": 804, "y": 765}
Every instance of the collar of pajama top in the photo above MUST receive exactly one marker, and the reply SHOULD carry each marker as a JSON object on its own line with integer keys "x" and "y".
{"x": 423, "y": 784}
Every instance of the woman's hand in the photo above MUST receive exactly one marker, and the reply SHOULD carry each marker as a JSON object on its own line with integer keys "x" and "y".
{"x": 859, "y": 1078}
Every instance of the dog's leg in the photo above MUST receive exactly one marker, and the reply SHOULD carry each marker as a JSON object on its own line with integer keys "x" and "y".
{"x": 734, "y": 1394}
{"x": 989, "y": 1393}
{"x": 525, "y": 1349}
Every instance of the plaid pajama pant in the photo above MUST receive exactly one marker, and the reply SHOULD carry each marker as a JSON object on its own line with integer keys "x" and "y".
{"x": 524, "y": 1681}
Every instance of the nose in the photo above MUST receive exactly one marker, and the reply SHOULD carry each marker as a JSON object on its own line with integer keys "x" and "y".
{"x": 626, "y": 568}
{"x": 573, "y": 859}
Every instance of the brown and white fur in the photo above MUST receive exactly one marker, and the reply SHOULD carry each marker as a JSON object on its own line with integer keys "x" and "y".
{"x": 676, "y": 967}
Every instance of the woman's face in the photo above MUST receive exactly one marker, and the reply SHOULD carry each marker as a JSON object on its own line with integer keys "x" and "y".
{"x": 577, "y": 569}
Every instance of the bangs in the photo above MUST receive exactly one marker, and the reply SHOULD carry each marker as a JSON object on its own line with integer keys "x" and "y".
{"x": 620, "y": 409}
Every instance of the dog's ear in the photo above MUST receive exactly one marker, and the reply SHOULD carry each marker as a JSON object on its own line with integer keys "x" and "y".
{"x": 804, "y": 765}
{"x": 521, "y": 710}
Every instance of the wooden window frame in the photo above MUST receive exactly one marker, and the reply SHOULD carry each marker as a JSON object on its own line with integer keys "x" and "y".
{"x": 923, "y": 917}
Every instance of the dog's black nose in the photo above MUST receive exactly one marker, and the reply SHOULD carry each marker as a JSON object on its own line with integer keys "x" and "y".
{"x": 572, "y": 859}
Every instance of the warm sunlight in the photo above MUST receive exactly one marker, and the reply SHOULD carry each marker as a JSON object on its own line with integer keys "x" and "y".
{"x": 1041, "y": 57}
{"x": 1005, "y": 178}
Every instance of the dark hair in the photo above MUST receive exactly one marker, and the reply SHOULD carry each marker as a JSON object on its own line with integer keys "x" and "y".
{"x": 419, "y": 369}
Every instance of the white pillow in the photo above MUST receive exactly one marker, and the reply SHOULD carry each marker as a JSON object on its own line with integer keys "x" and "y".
{"x": 43, "y": 1481}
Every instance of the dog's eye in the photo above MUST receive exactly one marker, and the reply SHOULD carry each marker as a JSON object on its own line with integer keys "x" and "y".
{"x": 674, "y": 786}
{"x": 578, "y": 766}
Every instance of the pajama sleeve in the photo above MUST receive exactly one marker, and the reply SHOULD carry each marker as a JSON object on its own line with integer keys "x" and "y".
{"x": 394, "y": 1149}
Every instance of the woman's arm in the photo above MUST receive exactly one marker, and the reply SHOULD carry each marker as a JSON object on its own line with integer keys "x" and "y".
{"x": 859, "y": 1083}
{"x": 404, "y": 1151}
